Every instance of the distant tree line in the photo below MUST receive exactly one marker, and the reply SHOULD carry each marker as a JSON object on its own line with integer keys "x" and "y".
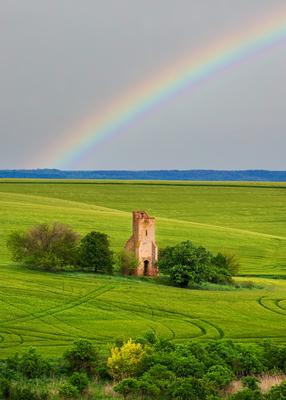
{"x": 146, "y": 367}
{"x": 177, "y": 175}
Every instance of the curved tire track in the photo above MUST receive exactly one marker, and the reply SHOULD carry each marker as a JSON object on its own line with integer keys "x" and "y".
{"x": 260, "y": 302}
{"x": 51, "y": 312}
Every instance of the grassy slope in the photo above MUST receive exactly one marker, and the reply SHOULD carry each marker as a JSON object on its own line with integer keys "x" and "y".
{"x": 248, "y": 219}
{"x": 51, "y": 310}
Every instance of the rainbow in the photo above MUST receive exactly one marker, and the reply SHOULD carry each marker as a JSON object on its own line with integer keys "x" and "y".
{"x": 151, "y": 93}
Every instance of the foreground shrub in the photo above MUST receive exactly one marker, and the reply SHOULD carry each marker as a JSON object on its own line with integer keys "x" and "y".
{"x": 127, "y": 360}
{"x": 248, "y": 394}
{"x": 33, "y": 365}
{"x": 250, "y": 382}
{"x": 148, "y": 389}
{"x": 126, "y": 387}
{"x": 161, "y": 377}
{"x": 189, "y": 388}
{"x": 81, "y": 357}
{"x": 79, "y": 380}
{"x": 274, "y": 356}
{"x": 68, "y": 391}
{"x": 94, "y": 253}
{"x": 277, "y": 392}
{"x": 27, "y": 390}
{"x": 46, "y": 246}
{"x": 29, "y": 365}
{"x": 219, "y": 376}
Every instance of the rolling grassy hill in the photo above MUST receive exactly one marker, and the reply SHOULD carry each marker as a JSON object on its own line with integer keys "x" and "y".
{"x": 247, "y": 219}
{"x": 51, "y": 310}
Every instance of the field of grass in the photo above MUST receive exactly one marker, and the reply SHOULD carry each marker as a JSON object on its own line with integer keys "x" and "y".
{"x": 249, "y": 219}
{"x": 51, "y": 310}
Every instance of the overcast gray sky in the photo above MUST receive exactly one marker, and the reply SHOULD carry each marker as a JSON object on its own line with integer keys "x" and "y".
{"x": 62, "y": 60}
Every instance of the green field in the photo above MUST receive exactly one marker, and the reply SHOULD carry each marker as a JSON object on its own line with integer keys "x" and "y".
{"x": 51, "y": 310}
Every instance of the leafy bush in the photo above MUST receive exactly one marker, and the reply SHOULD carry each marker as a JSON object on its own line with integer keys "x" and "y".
{"x": 127, "y": 387}
{"x": 68, "y": 391}
{"x": 188, "y": 265}
{"x": 160, "y": 376}
{"x": 46, "y": 246}
{"x": 189, "y": 388}
{"x": 29, "y": 365}
{"x": 26, "y": 390}
{"x": 94, "y": 253}
{"x": 82, "y": 356}
{"x": 148, "y": 389}
{"x": 277, "y": 392}
{"x": 79, "y": 380}
{"x": 154, "y": 368}
{"x": 197, "y": 260}
{"x": 137, "y": 387}
{"x": 187, "y": 365}
{"x": 181, "y": 275}
{"x": 219, "y": 375}
{"x": 126, "y": 361}
{"x": 32, "y": 364}
{"x": 250, "y": 382}
{"x": 5, "y": 384}
{"x": 248, "y": 394}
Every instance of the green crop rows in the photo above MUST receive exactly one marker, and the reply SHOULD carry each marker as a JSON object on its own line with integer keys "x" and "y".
{"x": 51, "y": 310}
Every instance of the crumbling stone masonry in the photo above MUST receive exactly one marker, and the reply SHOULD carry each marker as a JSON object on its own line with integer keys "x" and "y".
{"x": 142, "y": 244}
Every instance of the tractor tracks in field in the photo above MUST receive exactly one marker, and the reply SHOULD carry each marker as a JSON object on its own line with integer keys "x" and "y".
{"x": 277, "y": 303}
{"x": 7, "y": 327}
{"x": 149, "y": 313}
{"x": 273, "y": 303}
{"x": 57, "y": 309}
{"x": 177, "y": 325}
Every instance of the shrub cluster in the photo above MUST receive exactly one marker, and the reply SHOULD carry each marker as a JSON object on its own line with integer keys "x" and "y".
{"x": 201, "y": 371}
{"x": 31, "y": 377}
{"x": 57, "y": 247}
{"x": 188, "y": 265}
{"x": 54, "y": 247}
{"x": 146, "y": 368}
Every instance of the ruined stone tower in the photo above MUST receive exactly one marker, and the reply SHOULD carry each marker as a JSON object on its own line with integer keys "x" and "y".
{"x": 142, "y": 244}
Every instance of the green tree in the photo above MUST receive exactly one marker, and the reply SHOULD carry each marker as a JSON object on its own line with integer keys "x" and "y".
{"x": 185, "y": 263}
{"x": 48, "y": 246}
{"x": 94, "y": 253}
